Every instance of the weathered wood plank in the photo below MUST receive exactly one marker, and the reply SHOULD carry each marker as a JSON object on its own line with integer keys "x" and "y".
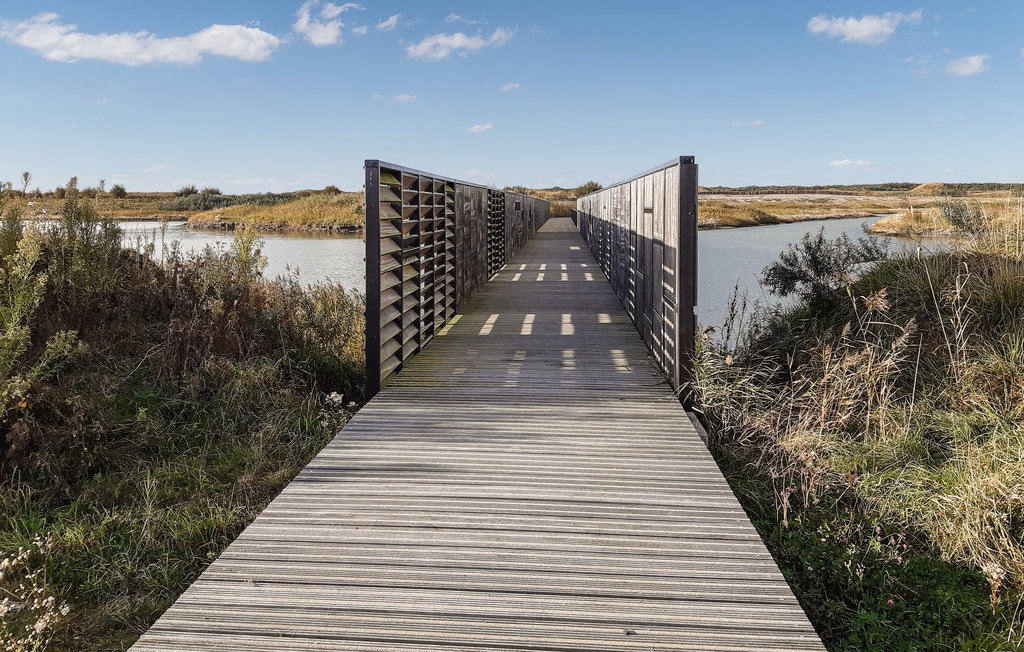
{"x": 527, "y": 482}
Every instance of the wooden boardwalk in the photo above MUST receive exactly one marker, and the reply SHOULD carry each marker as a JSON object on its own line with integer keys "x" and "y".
{"x": 528, "y": 482}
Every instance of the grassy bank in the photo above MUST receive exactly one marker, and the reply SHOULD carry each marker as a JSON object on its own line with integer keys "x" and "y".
{"x": 151, "y": 407}
{"x": 941, "y": 216}
{"x": 341, "y": 211}
{"x": 873, "y": 430}
{"x": 724, "y": 211}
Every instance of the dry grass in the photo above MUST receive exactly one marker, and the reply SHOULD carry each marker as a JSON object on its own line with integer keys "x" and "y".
{"x": 343, "y": 210}
{"x": 899, "y": 400}
{"x": 134, "y": 206}
{"x": 922, "y": 215}
{"x": 721, "y": 211}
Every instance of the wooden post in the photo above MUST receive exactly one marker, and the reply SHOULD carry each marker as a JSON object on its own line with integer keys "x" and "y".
{"x": 686, "y": 277}
{"x": 372, "y": 316}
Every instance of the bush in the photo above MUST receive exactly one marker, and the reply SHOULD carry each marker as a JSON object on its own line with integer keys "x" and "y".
{"x": 331, "y": 190}
{"x": 816, "y": 267}
{"x": 961, "y": 216}
{"x": 185, "y": 191}
{"x": 587, "y": 188}
{"x": 117, "y": 191}
{"x": 210, "y": 191}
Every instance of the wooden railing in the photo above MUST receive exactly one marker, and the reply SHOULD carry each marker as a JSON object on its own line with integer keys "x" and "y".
{"x": 431, "y": 243}
{"x": 643, "y": 233}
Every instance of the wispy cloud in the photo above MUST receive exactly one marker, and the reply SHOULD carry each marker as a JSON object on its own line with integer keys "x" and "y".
{"x": 920, "y": 64}
{"x": 510, "y": 87}
{"x": 850, "y": 164}
{"x": 360, "y": 31}
{"x": 101, "y": 100}
{"x": 439, "y": 46}
{"x": 389, "y": 24}
{"x": 404, "y": 97}
{"x": 158, "y": 168}
{"x": 63, "y": 42}
{"x": 869, "y": 29}
{"x": 331, "y": 10}
{"x": 755, "y": 123}
{"x": 455, "y": 18}
{"x": 475, "y": 129}
{"x": 971, "y": 65}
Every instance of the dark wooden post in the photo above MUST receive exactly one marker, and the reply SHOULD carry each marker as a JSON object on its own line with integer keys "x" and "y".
{"x": 372, "y": 316}
{"x": 686, "y": 277}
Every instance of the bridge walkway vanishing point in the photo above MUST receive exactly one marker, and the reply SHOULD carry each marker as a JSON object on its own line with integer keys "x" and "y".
{"x": 512, "y": 489}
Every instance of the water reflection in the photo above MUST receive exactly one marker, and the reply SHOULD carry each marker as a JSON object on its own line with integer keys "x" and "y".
{"x": 316, "y": 255}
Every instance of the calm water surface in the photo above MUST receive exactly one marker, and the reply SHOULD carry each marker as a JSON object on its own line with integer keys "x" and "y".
{"x": 316, "y": 256}
{"x": 727, "y": 257}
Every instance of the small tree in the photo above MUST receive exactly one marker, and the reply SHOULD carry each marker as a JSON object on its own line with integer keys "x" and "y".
{"x": 117, "y": 191}
{"x": 815, "y": 267}
{"x": 26, "y": 178}
{"x": 331, "y": 190}
{"x": 587, "y": 188}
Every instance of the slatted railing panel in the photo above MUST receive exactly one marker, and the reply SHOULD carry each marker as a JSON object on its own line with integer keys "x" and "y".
{"x": 431, "y": 243}
{"x": 643, "y": 234}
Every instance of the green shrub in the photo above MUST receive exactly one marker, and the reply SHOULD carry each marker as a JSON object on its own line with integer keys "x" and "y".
{"x": 816, "y": 267}
{"x": 587, "y": 188}
{"x": 117, "y": 191}
{"x": 962, "y": 216}
{"x": 185, "y": 191}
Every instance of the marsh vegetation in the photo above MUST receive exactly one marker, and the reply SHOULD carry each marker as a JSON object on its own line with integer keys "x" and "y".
{"x": 874, "y": 429}
{"x": 151, "y": 406}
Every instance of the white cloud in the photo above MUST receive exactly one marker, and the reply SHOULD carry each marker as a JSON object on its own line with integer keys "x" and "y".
{"x": 158, "y": 168}
{"x": 389, "y": 24}
{"x": 101, "y": 100}
{"x": 361, "y": 30}
{"x": 60, "y": 42}
{"x": 404, "y": 97}
{"x": 324, "y": 29}
{"x": 869, "y": 29}
{"x": 510, "y": 87}
{"x": 455, "y": 18}
{"x": 332, "y": 10}
{"x": 970, "y": 65}
{"x": 755, "y": 123}
{"x": 475, "y": 129}
{"x": 439, "y": 46}
{"x": 847, "y": 163}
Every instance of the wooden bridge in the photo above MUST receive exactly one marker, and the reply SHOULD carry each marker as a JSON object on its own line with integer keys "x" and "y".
{"x": 529, "y": 481}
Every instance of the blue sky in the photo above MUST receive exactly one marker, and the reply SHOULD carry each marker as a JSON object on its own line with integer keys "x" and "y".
{"x": 256, "y": 96}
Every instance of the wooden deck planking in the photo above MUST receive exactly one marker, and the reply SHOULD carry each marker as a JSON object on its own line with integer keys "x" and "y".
{"x": 528, "y": 482}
